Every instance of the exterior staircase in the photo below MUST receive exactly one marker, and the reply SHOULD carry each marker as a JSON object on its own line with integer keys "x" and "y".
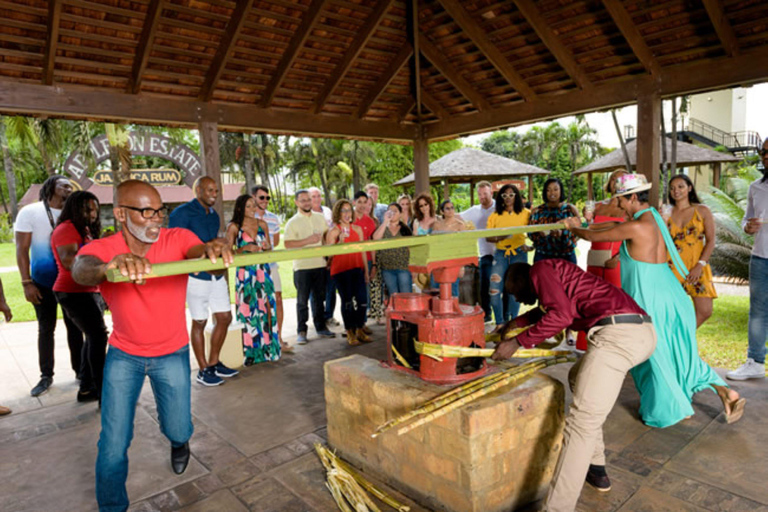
{"x": 745, "y": 143}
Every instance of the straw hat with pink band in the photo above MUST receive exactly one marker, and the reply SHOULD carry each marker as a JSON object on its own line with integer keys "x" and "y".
{"x": 631, "y": 184}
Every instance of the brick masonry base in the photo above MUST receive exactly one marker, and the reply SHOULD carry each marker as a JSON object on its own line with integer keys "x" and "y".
{"x": 494, "y": 454}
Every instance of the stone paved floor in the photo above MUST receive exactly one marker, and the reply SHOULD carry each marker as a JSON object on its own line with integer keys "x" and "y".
{"x": 252, "y": 448}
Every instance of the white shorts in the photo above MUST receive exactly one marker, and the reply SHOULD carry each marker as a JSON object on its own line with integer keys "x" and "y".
{"x": 203, "y": 296}
{"x": 275, "y": 274}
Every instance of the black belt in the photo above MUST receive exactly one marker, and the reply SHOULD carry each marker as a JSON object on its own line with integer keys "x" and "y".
{"x": 624, "y": 319}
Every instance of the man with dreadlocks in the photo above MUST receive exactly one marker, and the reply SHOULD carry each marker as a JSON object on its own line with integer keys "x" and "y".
{"x": 37, "y": 268}
{"x": 78, "y": 225}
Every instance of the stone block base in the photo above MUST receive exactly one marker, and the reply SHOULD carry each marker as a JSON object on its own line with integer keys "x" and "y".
{"x": 232, "y": 350}
{"x": 495, "y": 454}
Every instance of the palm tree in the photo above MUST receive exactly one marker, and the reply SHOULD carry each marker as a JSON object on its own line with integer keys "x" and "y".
{"x": 582, "y": 147}
{"x": 733, "y": 249}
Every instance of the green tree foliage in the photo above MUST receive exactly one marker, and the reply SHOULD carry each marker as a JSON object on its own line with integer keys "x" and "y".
{"x": 559, "y": 149}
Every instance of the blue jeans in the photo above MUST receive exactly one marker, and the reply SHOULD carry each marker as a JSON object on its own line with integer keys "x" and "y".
{"x": 397, "y": 281}
{"x": 486, "y": 264}
{"x": 505, "y": 310}
{"x": 123, "y": 379}
{"x": 758, "y": 308}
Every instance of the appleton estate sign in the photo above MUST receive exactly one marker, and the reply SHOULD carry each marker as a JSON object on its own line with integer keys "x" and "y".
{"x": 141, "y": 144}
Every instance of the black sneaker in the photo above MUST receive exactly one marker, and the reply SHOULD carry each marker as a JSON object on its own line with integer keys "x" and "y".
{"x": 42, "y": 386}
{"x": 224, "y": 371}
{"x": 87, "y": 395}
{"x": 598, "y": 478}
{"x": 208, "y": 377}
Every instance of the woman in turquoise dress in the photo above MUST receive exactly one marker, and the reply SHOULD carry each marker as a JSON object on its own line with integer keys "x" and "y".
{"x": 668, "y": 380}
{"x": 254, "y": 290}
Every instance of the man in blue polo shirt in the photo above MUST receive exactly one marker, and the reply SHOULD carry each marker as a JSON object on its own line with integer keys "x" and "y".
{"x": 206, "y": 292}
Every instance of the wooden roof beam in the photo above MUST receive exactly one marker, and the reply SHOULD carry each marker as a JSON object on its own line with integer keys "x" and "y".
{"x": 386, "y": 78}
{"x": 365, "y": 33}
{"x": 723, "y": 28}
{"x": 435, "y": 56}
{"x": 629, "y": 30}
{"x": 749, "y": 67}
{"x": 564, "y": 57}
{"x": 308, "y": 22}
{"x": 432, "y": 104}
{"x": 225, "y": 49}
{"x": 76, "y": 102}
{"x": 406, "y": 109}
{"x": 478, "y": 36}
{"x": 148, "y": 32}
{"x": 52, "y": 39}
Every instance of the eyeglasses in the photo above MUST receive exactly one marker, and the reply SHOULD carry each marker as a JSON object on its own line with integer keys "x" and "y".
{"x": 261, "y": 198}
{"x": 346, "y": 210}
{"x": 508, "y": 195}
{"x": 448, "y": 208}
{"x": 148, "y": 213}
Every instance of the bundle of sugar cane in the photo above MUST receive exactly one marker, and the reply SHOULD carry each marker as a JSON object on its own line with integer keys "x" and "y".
{"x": 343, "y": 487}
{"x": 472, "y": 390}
{"x": 496, "y": 337}
{"x": 438, "y": 351}
{"x": 346, "y": 485}
{"x": 509, "y": 379}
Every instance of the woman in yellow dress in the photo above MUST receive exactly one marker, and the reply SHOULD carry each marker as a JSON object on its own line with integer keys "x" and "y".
{"x": 693, "y": 230}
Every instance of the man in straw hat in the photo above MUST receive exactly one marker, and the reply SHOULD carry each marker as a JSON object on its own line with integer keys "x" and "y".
{"x": 668, "y": 380}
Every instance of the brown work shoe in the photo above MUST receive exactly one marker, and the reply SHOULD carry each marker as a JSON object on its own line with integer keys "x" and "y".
{"x": 366, "y": 329}
{"x": 598, "y": 478}
{"x": 352, "y": 338}
{"x": 363, "y": 336}
{"x": 4, "y": 410}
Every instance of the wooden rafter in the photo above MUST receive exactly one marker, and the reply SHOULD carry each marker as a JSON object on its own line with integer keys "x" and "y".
{"x": 629, "y": 30}
{"x": 386, "y": 78}
{"x": 722, "y": 26}
{"x": 406, "y": 109}
{"x": 435, "y": 56}
{"x": 478, "y": 36}
{"x": 151, "y": 23}
{"x": 226, "y": 46}
{"x": 105, "y": 105}
{"x": 434, "y": 105}
{"x": 365, "y": 33}
{"x": 748, "y": 67}
{"x": 52, "y": 39}
{"x": 310, "y": 19}
{"x": 564, "y": 57}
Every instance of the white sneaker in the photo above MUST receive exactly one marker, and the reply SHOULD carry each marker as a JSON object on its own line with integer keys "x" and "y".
{"x": 749, "y": 370}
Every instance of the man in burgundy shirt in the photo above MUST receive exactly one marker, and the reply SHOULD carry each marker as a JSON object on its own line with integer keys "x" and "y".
{"x": 149, "y": 333}
{"x": 620, "y": 336}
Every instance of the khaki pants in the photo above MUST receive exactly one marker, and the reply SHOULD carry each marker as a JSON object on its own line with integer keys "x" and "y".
{"x": 595, "y": 381}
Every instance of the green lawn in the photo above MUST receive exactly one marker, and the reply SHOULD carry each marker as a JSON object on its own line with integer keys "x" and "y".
{"x": 7, "y": 255}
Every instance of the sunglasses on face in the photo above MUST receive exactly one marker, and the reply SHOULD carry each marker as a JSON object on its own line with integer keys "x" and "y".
{"x": 148, "y": 213}
{"x": 262, "y": 198}
{"x": 346, "y": 210}
{"x": 508, "y": 195}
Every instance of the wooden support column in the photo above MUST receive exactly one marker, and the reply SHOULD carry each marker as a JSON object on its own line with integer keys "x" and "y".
{"x": 471, "y": 193}
{"x": 530, "y": 189}
{"x": 648, "y": 140}
{"x": 716, "y": 175}
{"x": 209, "y": 147}
{"x": 446, "y": 190}
{"x": 590, "y": 192}
{"x": 421, "y": 165}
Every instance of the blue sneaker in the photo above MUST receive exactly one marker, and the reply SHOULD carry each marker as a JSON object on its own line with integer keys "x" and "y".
{"x": 326, "y": 334}
{"x": 223, "y": 371}
{"x": 301, "y": 339}
{"x": 208, "y": 377}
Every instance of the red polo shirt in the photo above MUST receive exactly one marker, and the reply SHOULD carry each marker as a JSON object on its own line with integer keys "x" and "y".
{"x": 149, "y": 319}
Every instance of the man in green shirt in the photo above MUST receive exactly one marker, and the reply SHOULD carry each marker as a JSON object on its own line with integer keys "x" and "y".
{"x": 306, "y": 229}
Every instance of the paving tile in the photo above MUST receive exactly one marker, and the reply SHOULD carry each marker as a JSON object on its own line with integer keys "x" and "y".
{"x": 212, "y": 450}
{"x": 209, "y": 483}
{"x": 273, "y": 458}
{"x": 651, "y": 500}
{"x": 188, "y": 493}
{"x": 623, "y": 485}
{"x": 656, "y": 445}
{"x": 238, "y": 472}
{"x": 270, "y": 496}
{"x": 220, "y": 501}
{"x": 730, "y": 457}
{"x": 166, "y": 501}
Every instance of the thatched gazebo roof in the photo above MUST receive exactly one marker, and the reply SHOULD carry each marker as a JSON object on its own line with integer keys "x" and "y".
{"x": 687, "y": 155}
{"x": 469, "y": 165}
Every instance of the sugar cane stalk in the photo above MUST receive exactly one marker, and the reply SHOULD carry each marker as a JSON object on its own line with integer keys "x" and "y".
{"x": 368, "y": 486}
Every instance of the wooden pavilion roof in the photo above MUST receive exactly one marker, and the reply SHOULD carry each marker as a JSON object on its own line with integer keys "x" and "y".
{"x": 346, "y": 67}
{"x": 469, "y": 165}
{"x": 687, "y": 155}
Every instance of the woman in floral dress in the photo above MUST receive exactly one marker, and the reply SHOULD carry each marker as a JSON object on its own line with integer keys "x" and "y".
{"x": 254, "y": 290}
{"x": 693, "y": 231}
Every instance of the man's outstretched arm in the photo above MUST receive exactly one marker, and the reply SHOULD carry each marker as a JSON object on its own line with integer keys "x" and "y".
{"x": 89, "y": 270}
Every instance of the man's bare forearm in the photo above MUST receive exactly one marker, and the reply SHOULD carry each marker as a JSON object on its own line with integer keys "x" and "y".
{"x": 89, "y": 270}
